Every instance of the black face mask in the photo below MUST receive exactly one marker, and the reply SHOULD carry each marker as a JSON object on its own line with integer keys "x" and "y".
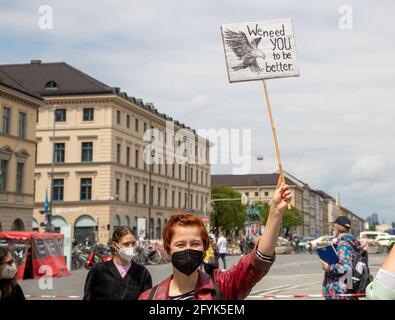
{"x": 187, "y": 261}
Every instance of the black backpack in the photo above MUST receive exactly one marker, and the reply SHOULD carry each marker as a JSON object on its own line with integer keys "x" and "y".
{"x": 361, "y": 276}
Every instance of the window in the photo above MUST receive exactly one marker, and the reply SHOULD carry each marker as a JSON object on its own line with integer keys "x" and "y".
{"x": 197, "y": 176}
{"x": 190, "y": 204}
{"x": 145, "y": 194}
{"x": 191, "y": 177}
{"x": 118, "y": 117}
{"x": 185, "y": 200}
{"x": 136, "y": 192}
{"x": 197, "y": 202}
{"x": 3, "y": 174}
{"x": 145, "y": 127}
{"x": 51, "y": 85}
{"x": 201, "y": 177}
{"x": 206, "y": 179}
{"x": 86, "y": 151}
{"x": 127, "y": 191}
{"x": 6, "y": 120}
{"x": 186, "y": 173}
{"x": 22, "y": 124}
{"x": 136, "y": 125}
{"x": 179, "y": 171}
{"x": 151, "y": 195}
{"x": 118, "y": 153}
{"x": 174, "y": 169}
{"x": 179, "y": 200}
{"x": 166, "y": 198}
{"x": 127, "y": 121}
{"x": 59, "y": 152}
{"x": 266, "y": 193}
{"x": 117, "y": 188}
{"x": 58, "y": 189}
{"x": 247, "y": 194}
{"x": 159, "y": 197}
{"x": 137, "y": 158}
{"x": 256, "y": 194}
{"x": 60, "y": 115}
{"x": 88, "y": 114}
{"x": 128, "y": 156}
{"x": 173, "y": 193}
{"x": 86, "y": 189}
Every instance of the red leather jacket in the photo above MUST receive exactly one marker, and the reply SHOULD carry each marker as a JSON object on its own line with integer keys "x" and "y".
{"x": 234, "y": 284}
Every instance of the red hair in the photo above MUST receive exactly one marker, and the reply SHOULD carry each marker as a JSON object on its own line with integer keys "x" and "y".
{"x": 184, "y": 220}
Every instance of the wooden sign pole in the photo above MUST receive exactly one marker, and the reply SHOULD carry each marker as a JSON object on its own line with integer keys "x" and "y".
{"x": 280, "y": 165}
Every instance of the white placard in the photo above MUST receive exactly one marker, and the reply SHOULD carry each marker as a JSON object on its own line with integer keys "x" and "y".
{"x": 260, "y": 50}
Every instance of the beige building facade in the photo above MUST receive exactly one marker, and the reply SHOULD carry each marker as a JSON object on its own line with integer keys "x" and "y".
{"x": 318, "y": 210}
{"x": 18, "y": 109}
{"x": 101, "y": 177}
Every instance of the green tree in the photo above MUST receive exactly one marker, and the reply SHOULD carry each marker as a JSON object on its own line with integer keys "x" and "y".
{"x": 291, "y": 217}
{"x": 226, "y": 215}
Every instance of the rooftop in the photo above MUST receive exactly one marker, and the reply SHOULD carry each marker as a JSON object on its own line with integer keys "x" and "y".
{"x": 61, "y": 79}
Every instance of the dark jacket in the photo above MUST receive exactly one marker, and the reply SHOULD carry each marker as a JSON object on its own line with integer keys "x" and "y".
{"x": 104, "y": 282}
{"x": 16, "y": 294}
{"x": 234, "y": 284}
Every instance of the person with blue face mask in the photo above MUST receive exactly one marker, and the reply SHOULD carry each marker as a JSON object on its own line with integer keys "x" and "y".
{"x": 9, "y": 288}
{"x": 120, "y": 278}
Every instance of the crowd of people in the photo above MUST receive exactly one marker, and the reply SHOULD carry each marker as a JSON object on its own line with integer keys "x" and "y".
{"x": 189, "y": 245}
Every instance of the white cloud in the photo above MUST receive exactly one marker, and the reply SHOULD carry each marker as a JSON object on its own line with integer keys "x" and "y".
{"x": 334, "y": 122}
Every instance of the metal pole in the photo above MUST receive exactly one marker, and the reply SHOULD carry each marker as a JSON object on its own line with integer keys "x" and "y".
{"x": 189, "y": 188}
{"x": 149, "y": 203}
{"x": 49, "y": 225}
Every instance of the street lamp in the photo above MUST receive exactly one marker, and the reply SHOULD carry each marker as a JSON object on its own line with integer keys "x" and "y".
{"x": 49, "y": 221}
{"x": 150, "y": 195}
{"x": 186, "y": 155}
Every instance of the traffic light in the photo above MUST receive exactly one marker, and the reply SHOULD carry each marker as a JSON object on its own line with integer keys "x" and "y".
{"x": 47, "y": 220}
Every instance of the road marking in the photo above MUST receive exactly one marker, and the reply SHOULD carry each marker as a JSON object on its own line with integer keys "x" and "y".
{"x": 270, "y": 289}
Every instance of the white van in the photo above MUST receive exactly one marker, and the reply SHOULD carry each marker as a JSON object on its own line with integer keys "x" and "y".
{"x": 373, "y": 235}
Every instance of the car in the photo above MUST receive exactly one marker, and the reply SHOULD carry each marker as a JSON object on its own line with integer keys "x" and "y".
{"x": 283, "y": 246}
{"x": 322, "y": 242}
{"x": 303, "y": 242}
{"x": 372, "y": 235}
{"x": 385, "y": 240}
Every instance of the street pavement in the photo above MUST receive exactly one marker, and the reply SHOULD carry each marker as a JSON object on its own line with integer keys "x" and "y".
{"x": 292, "y": 274}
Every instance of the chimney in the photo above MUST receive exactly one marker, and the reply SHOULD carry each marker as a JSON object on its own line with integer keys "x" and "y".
{"x": 35, "y": 61}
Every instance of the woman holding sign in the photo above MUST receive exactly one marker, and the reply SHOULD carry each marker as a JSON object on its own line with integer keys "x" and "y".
{"x": 186, "y": 239}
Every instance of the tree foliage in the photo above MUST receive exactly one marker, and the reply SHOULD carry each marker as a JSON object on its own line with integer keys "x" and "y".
{"x": 291, "y": 217}
{"x": 226, "y": 215}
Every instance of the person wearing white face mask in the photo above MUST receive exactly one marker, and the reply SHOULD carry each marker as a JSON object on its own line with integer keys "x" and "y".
{"x": 120, "y": 278}
{"x": 9, "y": 288}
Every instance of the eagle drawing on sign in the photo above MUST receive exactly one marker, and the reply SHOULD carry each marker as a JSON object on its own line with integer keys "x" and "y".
{"x": 244, "y": 50}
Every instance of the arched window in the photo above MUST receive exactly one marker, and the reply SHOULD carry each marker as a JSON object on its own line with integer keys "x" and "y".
{"x": 18, "y": 225}
{"x": 52, "y": 85}
{"x": 127, "y": 222}
{"x": 57, "y": 222}
{"x": 84, "y": 227}
{"x": 135, "y": 225}
{"x": 158, "y": 229}
{"x": 152, "y": 228}
{"x": 117, "y": 221}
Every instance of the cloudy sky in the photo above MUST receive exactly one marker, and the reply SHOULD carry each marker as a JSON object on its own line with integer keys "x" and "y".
{"x": 335, "y": 122}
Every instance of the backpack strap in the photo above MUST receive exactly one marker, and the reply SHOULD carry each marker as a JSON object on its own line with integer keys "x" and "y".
{"x": 152, "y": 293}
{"x": 218, "y": 294}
